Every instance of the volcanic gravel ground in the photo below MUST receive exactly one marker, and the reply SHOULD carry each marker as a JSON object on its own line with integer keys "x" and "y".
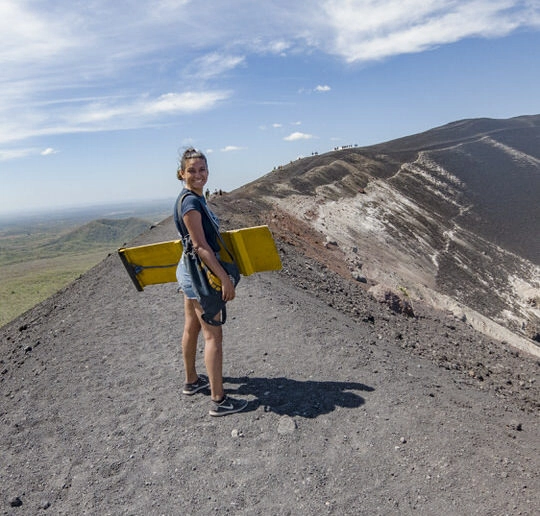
{"x": 353, "y": 409}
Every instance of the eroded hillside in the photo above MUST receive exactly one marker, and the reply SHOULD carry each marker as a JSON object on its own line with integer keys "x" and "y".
{"x": 449, "y": 216}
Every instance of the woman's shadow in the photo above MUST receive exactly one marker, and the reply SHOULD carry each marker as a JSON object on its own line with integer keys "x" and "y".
{"x": 299, "y": 398}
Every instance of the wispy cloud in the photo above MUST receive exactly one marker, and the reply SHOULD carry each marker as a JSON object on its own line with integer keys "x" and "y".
{"x": 9, "y": 154}
{"x": 105, "y": 114}
{"x": 355, "y": 30}
{"x": 298, "y": 136}
{"x": 17, "y": 153}
{"x": 28, "y": 35}
{"x": 370, "y": 30}
{"x": 151, "y": 56}
{"x": 318, "y": 89}
{"x": 214, "y": 65}
{"x": 180, "y": 102}
{"x": 232, "y": 148}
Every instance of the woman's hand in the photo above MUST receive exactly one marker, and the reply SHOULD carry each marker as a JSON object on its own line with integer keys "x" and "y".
{"x": 228, "y": 291}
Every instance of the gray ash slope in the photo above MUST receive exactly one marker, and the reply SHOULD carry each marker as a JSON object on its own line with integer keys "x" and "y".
{"x": 354, "y": 408}
{"x": 451, "y": 215}
{"x": 497, "y": 163}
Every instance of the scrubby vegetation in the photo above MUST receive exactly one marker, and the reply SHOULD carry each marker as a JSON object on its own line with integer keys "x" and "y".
{"x": 37, "y": 260}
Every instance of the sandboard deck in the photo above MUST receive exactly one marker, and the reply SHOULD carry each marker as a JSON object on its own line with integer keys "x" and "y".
{"x": 253, "y": 250}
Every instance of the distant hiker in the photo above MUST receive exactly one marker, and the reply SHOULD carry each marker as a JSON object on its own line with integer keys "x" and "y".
{"x": 207, "y": 194}
{"x": 193, "y": 171}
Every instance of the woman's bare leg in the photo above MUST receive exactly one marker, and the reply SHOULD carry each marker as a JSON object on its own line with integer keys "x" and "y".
{"x": 213, "y": 355}
{"x": 192, "y": 327}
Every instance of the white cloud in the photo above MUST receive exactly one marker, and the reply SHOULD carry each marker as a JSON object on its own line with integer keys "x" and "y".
{"x": 298, "y": 136}
{"x": 317, "y": 89}
{"x": 182, "y": 102}
{"x": 277, "y": 126}
{"x": 9, "y": 154}
{"x": 232, "y": 148}
{"x": 28, "y": 35}
{"x": 279, "y": 47}
{"x": 104, "y": 114}
{"x": 214, "y": 64}
{"x": 369, "y": 30}
{"x": 53, "y": 55}
{"x": 48, "y": 151}
{"x": 111, "y": 35}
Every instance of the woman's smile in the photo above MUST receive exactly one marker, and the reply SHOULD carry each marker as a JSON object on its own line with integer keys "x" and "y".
{"x": 196, "y": 174}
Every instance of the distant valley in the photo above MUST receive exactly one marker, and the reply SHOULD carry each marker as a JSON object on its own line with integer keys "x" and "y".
{"x": 41, "y": 253}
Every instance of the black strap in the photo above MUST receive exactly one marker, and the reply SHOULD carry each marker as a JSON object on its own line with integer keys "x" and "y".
{"x": 186, "y": 240}
{"x": 213, "y": 322}
{"x": 182, "y": 227}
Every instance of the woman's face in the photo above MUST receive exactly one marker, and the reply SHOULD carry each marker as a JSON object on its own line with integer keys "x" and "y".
{"x": 195, "y": 174}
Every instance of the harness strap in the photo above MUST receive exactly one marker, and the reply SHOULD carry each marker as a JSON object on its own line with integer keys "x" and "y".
{"x": 186, "y": 241}
{"x": 182, "y": 227}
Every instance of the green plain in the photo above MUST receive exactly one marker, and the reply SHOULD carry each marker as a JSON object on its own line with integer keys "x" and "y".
{"x": 40, "y": 257}
{"x": 27, "y": 283}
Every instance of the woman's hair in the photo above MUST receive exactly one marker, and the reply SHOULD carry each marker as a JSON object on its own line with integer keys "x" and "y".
{"x": 189, "y": 153}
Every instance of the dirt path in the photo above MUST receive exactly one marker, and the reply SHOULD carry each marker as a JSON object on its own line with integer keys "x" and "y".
{"x": 344, "y": 416}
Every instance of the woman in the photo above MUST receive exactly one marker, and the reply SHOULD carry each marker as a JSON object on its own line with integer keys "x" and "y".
{"x": 193, "y": 171}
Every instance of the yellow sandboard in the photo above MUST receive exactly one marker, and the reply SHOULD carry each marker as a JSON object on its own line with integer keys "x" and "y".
{"x": 253, "y": 249}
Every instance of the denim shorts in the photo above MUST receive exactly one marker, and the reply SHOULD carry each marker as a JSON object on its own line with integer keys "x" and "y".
{"x": 184, "y": 280}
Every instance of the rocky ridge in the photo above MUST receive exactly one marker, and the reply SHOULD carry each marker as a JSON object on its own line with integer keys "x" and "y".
{"x": 449, "y": 216}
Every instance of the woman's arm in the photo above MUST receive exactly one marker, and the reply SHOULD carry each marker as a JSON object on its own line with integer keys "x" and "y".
{"x": 193, "y": 221}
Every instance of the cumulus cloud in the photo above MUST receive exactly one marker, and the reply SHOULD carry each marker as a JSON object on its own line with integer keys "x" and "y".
{"x": 48, "y": 151}
{"x": 323, "y": 88}
{"x": 298, "y": 136}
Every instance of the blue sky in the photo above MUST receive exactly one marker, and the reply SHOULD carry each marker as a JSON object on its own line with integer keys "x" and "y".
{"x": 98, "y": 97}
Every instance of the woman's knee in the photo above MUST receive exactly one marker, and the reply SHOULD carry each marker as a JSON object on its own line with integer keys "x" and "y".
{"x": 213, "y": 335}
{"x": 191, "y": 319}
